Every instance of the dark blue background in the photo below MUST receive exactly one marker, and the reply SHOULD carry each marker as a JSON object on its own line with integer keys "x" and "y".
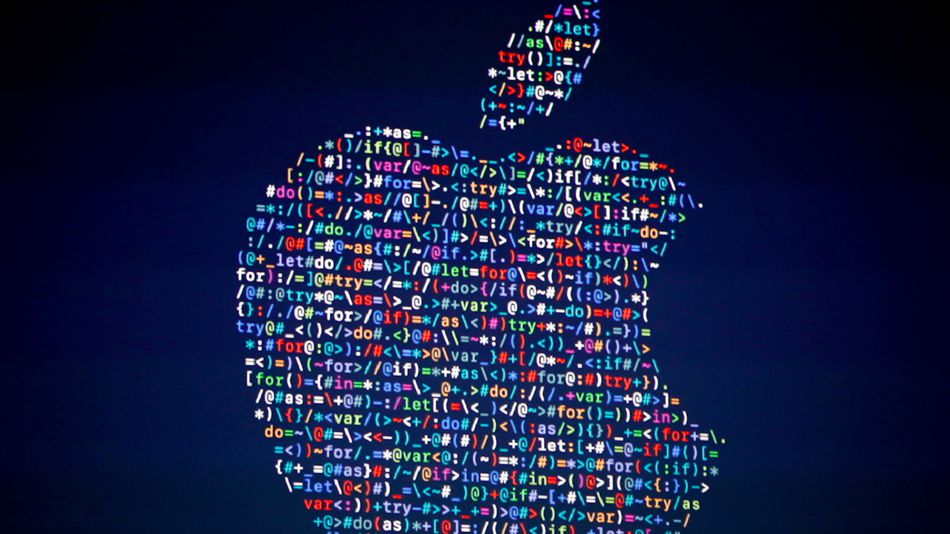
{"x": 800, "y": 314}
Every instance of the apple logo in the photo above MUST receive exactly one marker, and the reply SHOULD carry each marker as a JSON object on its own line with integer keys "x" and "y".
{"x": 441, "y": 341}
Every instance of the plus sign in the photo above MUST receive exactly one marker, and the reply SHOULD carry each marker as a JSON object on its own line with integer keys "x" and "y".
{"x": 416, "y": 217}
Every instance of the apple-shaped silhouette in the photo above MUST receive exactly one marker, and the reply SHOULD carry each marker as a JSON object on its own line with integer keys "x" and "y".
{"x": 442, "y": 341}
{"x": 432, "y": 335}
